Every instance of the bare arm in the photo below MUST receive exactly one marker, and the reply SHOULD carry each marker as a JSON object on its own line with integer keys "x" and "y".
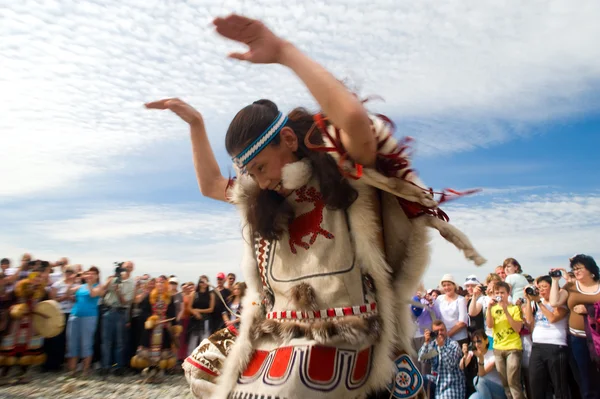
{"x": 98, "y": 290}
{"x": 457, "y": 327}
{"x": 211, "y": 181}
{"x": 482, "y": 368}
{"x": 475, "y": 307}
{"x": 341, "y": 106}
{"x": 558, "y": 297}
{"x": 489, "y": 319}
{"x": 53, "y": 293}
{"x": 556, "y": 315}
{"x": 528, "y": 314}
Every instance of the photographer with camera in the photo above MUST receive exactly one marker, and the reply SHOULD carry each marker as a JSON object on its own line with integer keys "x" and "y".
{"x": 549, "y": 355}
{"x": 505, "y": 321}
{"x": 444, "y": 354}
{"x": 585, "y": 290}
{"x": 120, "y": 289}
{"x": 487, "y": 382}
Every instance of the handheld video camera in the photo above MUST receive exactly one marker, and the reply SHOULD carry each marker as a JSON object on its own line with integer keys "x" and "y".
{"x": 118, "y": 270}
{"x": 555, "y": 273}
{"x": 532, "y": 290}
{"x": 433, "y": 334}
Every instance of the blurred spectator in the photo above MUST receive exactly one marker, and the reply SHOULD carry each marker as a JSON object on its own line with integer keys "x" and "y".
{"x": 62, "y": 292}
{"x": 184, "y": 319}
{"x": 488, "y": 383}
{"x": 176, "y": 296}
{"x": 585, "y": 290}
{"x": 230, "y": 281}
{"x": 476, "y": 322}
{"x": 234, "y": 302}
{"x": 201, "y": 309}
{"x": 514, "y": 278}
{"x": 500, "y": 272}
{"x": 549, "y": 355}
{"x": 81, "y": 327}
{"x": 120, "y": 291}
{"x": 434, "y": 294}
{"x": 505, "y": 321}
{"x": 452, "y": 309}
{"x": 444, "y": 354}
{"x": 217, "y": 316}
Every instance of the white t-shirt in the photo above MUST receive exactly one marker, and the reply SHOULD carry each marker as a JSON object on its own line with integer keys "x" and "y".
{"x": 10, "y": 272}
{"x": 61, "y": 289}
{"x": 493, "y": 375}
{"x": 545, "y": 332}
{"x": 517, "y": 283}
{"x": 453, "y": 312}
{"x": 55, "y": 277}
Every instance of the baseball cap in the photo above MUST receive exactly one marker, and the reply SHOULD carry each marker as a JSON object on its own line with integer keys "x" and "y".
{"x": 221, "y": 275}
{"x": 173, "y": 280}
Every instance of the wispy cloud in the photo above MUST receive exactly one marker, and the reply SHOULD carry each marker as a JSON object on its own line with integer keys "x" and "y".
{"x": 497, "y": 191}
{"x": 541, "y": 231}
{"x": 74, "y": 75}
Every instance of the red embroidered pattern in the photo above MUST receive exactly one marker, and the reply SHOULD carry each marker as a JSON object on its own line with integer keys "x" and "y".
{"x": 262, "y": 259}
{"x": 308, "y": 223}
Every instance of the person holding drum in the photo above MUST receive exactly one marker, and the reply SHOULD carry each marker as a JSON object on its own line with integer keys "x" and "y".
{"x": 21, "y": 347}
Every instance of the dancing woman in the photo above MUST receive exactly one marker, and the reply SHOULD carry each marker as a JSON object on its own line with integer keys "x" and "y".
{"x": 335, "y": 231}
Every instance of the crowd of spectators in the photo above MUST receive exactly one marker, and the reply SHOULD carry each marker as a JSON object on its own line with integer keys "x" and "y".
{"x": 104, "y": 317}
{"x": 511, "y": 335}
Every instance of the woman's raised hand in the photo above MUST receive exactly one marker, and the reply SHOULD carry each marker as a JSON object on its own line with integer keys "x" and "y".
{"x": 264, "y": 46}
{"x": 179, "y": 107}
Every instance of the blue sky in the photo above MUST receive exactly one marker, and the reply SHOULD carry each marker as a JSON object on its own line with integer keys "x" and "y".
{"x": 501, "y": 96}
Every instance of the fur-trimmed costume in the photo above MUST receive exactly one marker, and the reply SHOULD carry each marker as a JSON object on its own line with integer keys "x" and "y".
{"x": 22, "y": 345}
{"x": 160, "y": 333}
{"x": 325, "y": 311}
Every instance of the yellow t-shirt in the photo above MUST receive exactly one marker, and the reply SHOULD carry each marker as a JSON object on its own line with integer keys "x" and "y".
{"x": 505, "y": 338}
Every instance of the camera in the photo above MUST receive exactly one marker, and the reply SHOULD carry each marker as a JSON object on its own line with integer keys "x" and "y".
{"x": 472, "y": 346}
{"x": 555, "y": 273}
{"x": 433, "y": 334}
{"x": 118, "y": 270}
{"x": 498, "y": 299}
{"x": 483, "y": 288}
{"x": 532, "y": 291}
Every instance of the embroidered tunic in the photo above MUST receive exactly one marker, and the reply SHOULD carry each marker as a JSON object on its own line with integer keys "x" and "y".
{"x": 317, "y": 251}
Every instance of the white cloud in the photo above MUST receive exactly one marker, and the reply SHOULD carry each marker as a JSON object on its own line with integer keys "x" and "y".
{"x": 462, "y": 75}
{"x": 540, "y": 231}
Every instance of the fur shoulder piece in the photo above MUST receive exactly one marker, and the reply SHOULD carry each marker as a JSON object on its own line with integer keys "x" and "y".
{"x": 241, "y": 190}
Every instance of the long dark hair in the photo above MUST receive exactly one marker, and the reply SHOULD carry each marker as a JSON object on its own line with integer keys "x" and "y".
{"x": 270, "y": 214}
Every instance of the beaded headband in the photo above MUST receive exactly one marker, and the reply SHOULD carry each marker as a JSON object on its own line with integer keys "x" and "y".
{"x": 244, "y": 157}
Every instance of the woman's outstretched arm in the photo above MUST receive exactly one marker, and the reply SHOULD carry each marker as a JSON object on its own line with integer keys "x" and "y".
{"x": 341, "y": 106}
{"x": 212, "y": 183}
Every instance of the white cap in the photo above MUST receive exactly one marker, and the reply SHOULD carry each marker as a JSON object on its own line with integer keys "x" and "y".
{"x": 472, "y": 280}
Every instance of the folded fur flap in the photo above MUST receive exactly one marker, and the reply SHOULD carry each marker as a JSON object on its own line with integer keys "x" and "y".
{"x": 304, "y": 297}
{"x": 354, "y": 330}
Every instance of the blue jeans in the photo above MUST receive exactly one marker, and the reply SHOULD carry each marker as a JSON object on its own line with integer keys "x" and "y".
{"x": 487, "y": 389}
{"x": 80, "y": 336}
{"x": 587, "y": 374}
{"x": 113, "y": 337}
